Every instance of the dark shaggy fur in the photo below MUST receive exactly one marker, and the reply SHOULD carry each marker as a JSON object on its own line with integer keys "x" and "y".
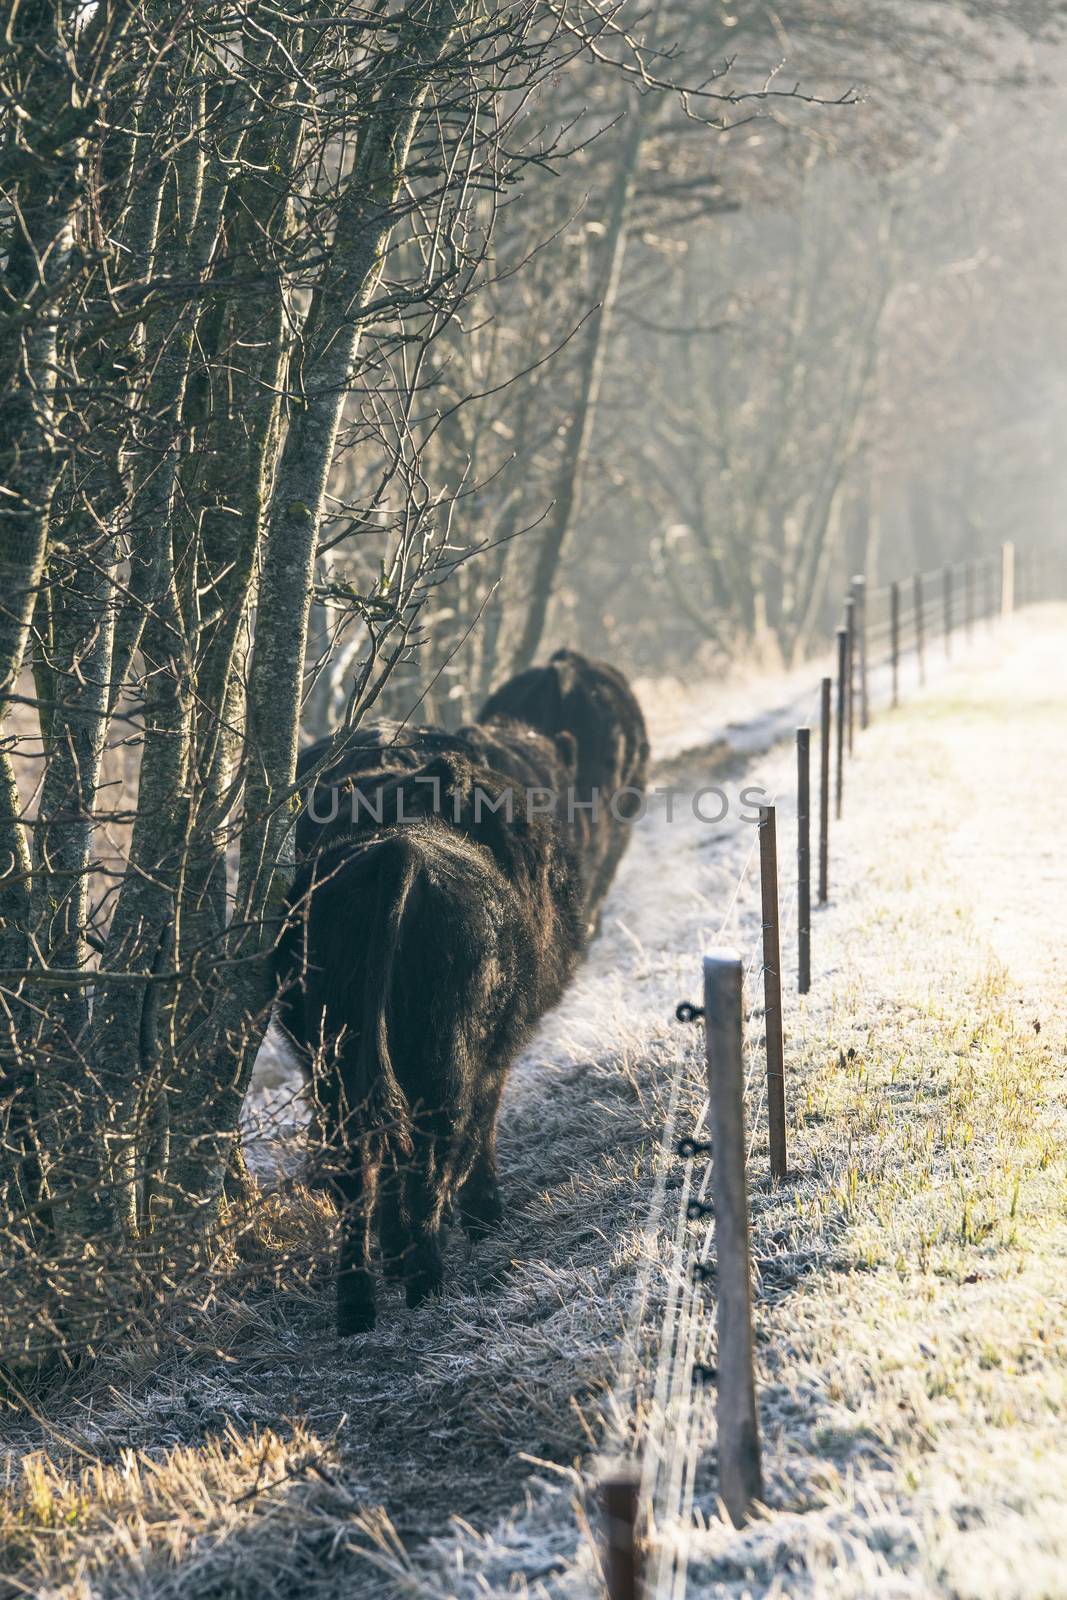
{"x": 414, "y": 961}
{"x": 594, "y": 704}
{"x": 382, "y": 752}
{"x": 571, "y": 725}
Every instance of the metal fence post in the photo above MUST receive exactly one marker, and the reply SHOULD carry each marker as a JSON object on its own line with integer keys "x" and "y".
{"x": 618, "y": 1522}
{"x": 803, "y": 860}
{"x": 850, "y": 630}
{"x": 859, "y": 587}
{"x": 737, "y": 1415}
{"x": 772, "y": 990}
{"x": 947, "y": 581}
{"x": 920, "y": 627}
{"x": 842, "y": 699}
{"x": 894, "y": 638}
{"x": 1007, "y": 578}
{"x": 826, "y": 689}
{"x": 968, "y": 600}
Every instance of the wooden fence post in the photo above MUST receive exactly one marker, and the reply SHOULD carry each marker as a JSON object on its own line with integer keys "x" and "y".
{"x": 618, "y": 1523}
{"x": 737, "y": 1417}
{"x": 920, "y": 627}
{"x": 894, "y": 638}
{"x": 772, "y": 990}
{"x": 803, "y": 860}
{"x": 826, "y": 689}
{"x": 850, "y": 630}
{"x": 947, "y": 599}
{"x": 1007, "y": 578}
{"x": 842, "y": 699}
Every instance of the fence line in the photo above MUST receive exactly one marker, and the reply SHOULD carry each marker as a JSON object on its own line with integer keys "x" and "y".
{"x": 665, "y": 1161}
{"x": 672, "y": 1441}
{"x": 672, "y": 1401}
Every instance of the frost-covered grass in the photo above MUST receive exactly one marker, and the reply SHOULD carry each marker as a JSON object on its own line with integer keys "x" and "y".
{"x": 911, "y": 1280}
{"x": 914, "y": 1373}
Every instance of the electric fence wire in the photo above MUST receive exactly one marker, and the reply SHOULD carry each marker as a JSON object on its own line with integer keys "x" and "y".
{"x": 667, "y": 1485}
{"x": 668, "y": 1478}
{"x": 672, "y": 1561}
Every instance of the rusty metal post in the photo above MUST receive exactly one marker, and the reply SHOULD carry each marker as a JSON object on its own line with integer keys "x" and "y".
{"x": 803, "y": 860}
{"x": 842, "y": 700}
{"x": 894, "y": 638}
{"x": 772, "y": 990}
{"x": 920, "y": 627}
{"x": 618, "y": 1523}
{"x": 947, "y": 603}
{"x": 859, "y": 590}
{"x": 850, "y": 629}
{"x": 737, "y": 1413}
{"x": 968, "y": 600}
{"x": 826, "y": 689}
{"x": 1007, "y": 578}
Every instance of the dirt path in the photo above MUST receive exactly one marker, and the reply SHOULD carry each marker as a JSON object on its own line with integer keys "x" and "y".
{"x": 911, "y": 1276}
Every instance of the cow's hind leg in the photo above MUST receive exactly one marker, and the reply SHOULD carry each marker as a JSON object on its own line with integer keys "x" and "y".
{"x": 480, "y": 1205}
{"x": 424, "y": 1267}
{"x": 394, "y": 1230}
{"x": 320, "y": 1158}
{"x": 355, "y": 1280}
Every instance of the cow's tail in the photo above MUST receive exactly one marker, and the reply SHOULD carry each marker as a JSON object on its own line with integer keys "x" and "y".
{"x": 362, "y": 918}
{"x": 381, "y": 1103}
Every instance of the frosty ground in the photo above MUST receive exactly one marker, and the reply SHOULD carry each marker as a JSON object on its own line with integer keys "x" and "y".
{"x": 910, "y": 1276}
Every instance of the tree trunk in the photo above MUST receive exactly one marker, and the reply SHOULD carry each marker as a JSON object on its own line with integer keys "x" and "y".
{"x": 579, "y": 432}
{"x": 322, "y": 380}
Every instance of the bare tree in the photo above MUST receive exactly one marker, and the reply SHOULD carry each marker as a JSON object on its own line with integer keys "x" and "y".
{"x": 225, "y": 269}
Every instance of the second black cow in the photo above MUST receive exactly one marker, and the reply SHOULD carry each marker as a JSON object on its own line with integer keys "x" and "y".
{"x": 594, "y": 764}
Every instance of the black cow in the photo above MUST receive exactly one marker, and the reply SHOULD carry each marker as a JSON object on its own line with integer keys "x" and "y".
{"x": 572, "y": 726}
{"x": 593, "y": 703}
{"x": 414, "y": 961}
